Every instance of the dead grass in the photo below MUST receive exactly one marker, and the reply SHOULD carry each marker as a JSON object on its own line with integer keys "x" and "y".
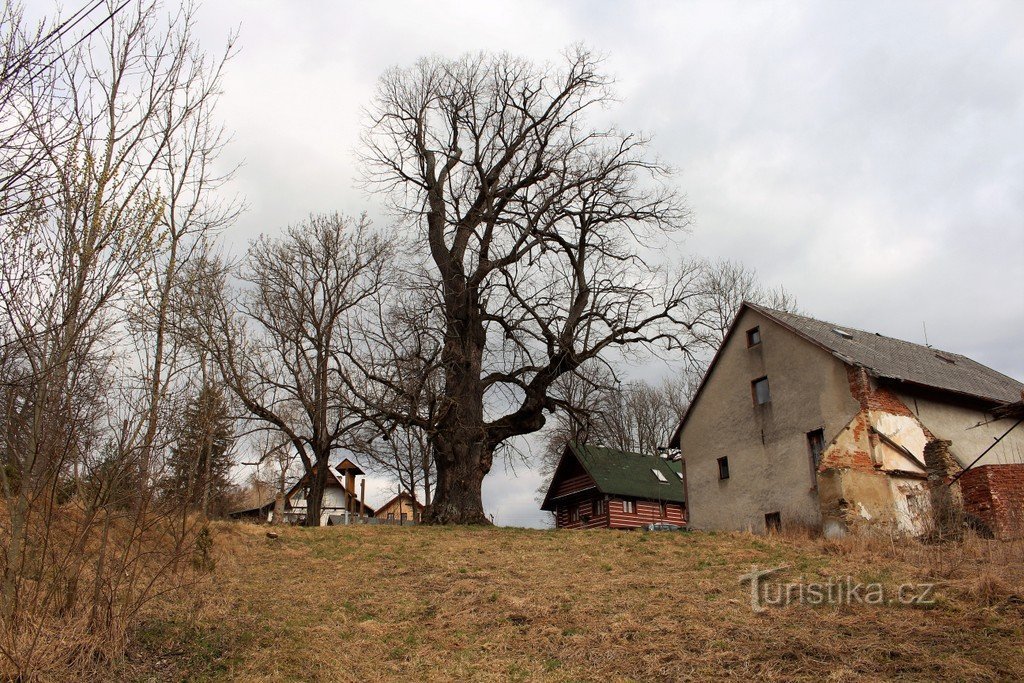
{"x": 442, "y": 604}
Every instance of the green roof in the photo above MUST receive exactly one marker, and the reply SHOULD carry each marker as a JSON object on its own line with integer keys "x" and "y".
{"x": 622, "y": 473}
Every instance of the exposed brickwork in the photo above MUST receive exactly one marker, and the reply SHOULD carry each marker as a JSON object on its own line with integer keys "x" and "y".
{"x": 877, "y": 398}
{"x": 995, "y": 495}
{"x": 947, "y": 503}
{"x": 849, "y": 449}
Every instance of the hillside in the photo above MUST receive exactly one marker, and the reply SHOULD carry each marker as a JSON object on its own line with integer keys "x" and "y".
{"x": 374, "y": 603}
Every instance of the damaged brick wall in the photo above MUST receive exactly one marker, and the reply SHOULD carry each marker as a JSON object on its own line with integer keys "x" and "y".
{"x": 995, "y": 495}
{"x": 947, "y": 501}
{"x": 867, "y": 481}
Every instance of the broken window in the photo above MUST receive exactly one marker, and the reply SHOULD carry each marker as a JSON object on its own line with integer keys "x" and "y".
{"x": 816, "y": 444}
{"x": 759, "y": 388}
{"x": 753, "y": 336}
{"x": 723, "y": 468}
{"x": 773, "y": 522}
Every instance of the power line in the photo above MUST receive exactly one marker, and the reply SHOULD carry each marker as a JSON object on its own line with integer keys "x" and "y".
{"x": 78, "y": 42}
{"x": 61, "y": 29}
{"x": 55, "y": 34}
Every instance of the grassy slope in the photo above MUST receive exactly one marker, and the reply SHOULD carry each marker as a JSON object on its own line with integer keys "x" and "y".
{"x": 502, "y": 604}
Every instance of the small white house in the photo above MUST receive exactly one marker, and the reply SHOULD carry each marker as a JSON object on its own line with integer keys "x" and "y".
{"x": 341, "y": 504}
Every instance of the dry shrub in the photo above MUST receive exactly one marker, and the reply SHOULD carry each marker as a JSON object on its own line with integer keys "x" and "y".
{"x": 84, "y": 581}
{"x": 988, "y": 589}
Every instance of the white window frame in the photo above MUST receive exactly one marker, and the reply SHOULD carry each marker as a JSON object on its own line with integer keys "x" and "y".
{"x": 629, "y": 507}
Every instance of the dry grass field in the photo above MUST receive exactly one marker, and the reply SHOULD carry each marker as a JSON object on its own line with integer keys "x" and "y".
{"x": 466, "y": 604}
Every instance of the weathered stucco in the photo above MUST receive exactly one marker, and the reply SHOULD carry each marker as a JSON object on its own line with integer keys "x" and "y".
{"x": 769, "y": 459}
{"x": 891, "y": 449}
{"x": 969, "y": 430}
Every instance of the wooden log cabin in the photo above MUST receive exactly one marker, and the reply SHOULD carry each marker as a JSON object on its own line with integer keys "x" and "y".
{"x": 603, "y": 488}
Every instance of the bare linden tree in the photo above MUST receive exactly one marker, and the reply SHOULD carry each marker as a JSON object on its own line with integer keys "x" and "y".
{"x": 535, "y": 229}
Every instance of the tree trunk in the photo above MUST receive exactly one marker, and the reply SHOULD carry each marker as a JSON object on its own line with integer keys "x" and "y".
{"x": 457, "y": 491}
{"x": 315, "y": 498}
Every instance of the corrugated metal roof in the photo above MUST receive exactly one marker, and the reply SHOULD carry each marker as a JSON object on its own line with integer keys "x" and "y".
{"x": 622, "y": 473}
{"x": 901, "y": 360}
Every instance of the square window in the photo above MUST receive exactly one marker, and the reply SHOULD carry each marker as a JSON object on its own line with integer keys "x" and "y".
{"x": 759, "y": 388}
{"x": 773, "y": 522}
{"x": 753, "y": 336}
{"x": 723, "y": 468}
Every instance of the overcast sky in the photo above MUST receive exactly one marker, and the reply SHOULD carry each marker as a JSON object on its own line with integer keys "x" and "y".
{"x": 869, "y": 156}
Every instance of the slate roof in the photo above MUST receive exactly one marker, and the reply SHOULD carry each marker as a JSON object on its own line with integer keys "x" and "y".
{"x": 899, "y": 360}
{"x": 621, "y": 473}
{"x": 883, "y": 357}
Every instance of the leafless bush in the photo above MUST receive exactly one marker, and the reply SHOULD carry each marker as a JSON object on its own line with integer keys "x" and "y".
{"x": 105, "y": 153}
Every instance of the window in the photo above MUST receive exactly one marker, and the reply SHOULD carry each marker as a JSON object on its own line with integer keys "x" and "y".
{"x": 599, "y": 506}
{"x": 574, "y": 515}
{"x": 391, "y": 516}
{"x": 659, "y": 475}
{"x": 723, "y": 468}
{"x": 628, "y": 506}
{"x": 664, "y": 510}
{"x": 773, "y": 522}
{"x": 753, "y": 336}
{"x": 816, "y": 445}
{"x": 405, "y": 516}
{"x": 760, "y": 391}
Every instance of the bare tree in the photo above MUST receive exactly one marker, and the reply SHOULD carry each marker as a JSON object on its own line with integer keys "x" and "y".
{"x": 533, "y": 226}
{"x": 725, "y": 285}
{"x": 596, "y": 408}
{"x": 403, "y": 454}
{"x": 280, "y": 341}
{"x": 86, "y": 215}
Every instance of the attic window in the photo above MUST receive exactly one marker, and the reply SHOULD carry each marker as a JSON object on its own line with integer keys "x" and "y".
{"x": 753, "y": 336}
{"x": 842, "y": 333}
{"x": 659, "y": 475}
{"x": 947, "y": 359}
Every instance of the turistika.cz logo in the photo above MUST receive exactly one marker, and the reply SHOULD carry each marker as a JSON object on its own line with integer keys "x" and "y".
{"x": 765, "y": 593}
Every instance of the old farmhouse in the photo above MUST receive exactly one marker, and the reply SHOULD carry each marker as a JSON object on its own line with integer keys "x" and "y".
{"x": 402, "y": 509}
{"x": 596, "y": 487}
{"x": 805, "y": 422}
